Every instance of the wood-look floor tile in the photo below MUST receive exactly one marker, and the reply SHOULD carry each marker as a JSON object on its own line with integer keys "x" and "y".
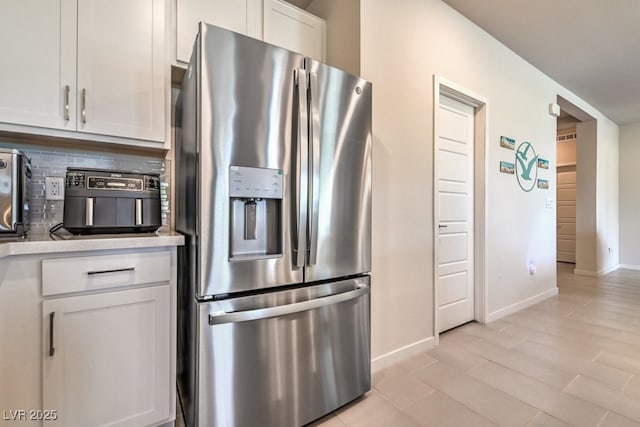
{"x": 386, "y": 373}
{"x": 571, "y": 333}
{"x": 612, "y": 320}
{"x": 416, "y": 362}
{"x": 498, "y": 325}
{"x": 545, "y": 420}
{"x": 605, "y": 397}
{"x": 497, "y": 406}
{"x": 632, "y": 388}
{"x": 456, "y": 356}
{"x": 531, "y": 333}
{"x": 575, "y": 362}
{"x": 534, "y": 367}
{"x": 616, "y": 420}
{"x": 457, "y": 337}
{"x": 565, "y": 407}
{"x": 374, "y": 411}
{"x": 620, "y": 361}
{"x": 331, "y": 420}
{"x": 403, "y": 390}
{"x": 439, "y": 410}
{"x": 503, "y": 338}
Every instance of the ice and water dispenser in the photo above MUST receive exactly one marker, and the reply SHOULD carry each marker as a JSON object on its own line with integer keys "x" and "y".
{"x": 255, "y": 198}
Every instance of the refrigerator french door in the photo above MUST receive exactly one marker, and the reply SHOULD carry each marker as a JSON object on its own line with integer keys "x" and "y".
{"x": 273, "y": 194}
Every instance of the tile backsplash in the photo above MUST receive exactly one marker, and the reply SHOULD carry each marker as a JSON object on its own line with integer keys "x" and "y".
{"x": 47, "y": 162}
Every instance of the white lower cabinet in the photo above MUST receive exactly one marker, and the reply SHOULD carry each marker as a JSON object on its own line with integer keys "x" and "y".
{"x": 88, "y": 338}
{"x": 106, "y": 360}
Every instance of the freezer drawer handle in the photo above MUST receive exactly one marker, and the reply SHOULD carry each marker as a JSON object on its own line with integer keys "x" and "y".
{"x": 282, "y": 310}
{"x": 115, "y": 270}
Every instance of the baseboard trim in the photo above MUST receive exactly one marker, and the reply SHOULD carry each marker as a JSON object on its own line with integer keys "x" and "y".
{"x": 608, "y": 270}
{"x": 522, "y": 305}
{"x": 402, "y": 353}
{"x": 629, "y": 266}
{"x": 585, "y": 273}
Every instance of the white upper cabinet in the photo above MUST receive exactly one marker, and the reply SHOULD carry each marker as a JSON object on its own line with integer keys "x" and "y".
{"x": 38, "y": 63}
{"x": 241, "y": 16}
{"x": 121, "y": 69}
{"x": 294, "y": 29}
{"x": 97, "y": 68}
{"x": 274, "y": 21}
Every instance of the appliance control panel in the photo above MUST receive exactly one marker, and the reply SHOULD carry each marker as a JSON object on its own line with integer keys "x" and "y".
{"x": 75, "y": 179}
{"x": 111, "y": 181}
{"x": 248, "y": 182}
{"x": 108, "y": 183}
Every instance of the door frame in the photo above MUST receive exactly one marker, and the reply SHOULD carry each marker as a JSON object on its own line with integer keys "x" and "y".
{"x": 480, "y": 104}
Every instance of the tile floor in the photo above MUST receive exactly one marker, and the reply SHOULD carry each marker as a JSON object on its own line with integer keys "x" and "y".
{"x": 571, "y": 360}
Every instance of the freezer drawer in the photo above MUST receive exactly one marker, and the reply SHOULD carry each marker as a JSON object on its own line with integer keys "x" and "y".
{"x": 284, "y": 358}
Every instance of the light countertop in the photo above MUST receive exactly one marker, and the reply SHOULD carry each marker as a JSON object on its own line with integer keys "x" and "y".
{"x": 44, "y": 243}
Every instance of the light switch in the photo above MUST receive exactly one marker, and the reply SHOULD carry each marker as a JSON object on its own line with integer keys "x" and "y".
{"x": 549, "y": 203}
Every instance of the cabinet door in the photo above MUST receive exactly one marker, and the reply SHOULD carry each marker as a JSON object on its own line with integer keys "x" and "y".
{"x": 107, "y": 358}
{"x": 121, "y": 68}
{"x": 294, "y": 29}
{"x": 38, "y": 63}
{"x": 241, "y": 16}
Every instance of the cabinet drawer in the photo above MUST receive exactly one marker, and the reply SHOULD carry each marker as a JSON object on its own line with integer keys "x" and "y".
{"x": 65, "y": 275}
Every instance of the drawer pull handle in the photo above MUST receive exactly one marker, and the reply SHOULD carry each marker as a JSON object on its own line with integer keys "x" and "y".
{"x": 52, "y": 349}
{"x": 116, "y": 270}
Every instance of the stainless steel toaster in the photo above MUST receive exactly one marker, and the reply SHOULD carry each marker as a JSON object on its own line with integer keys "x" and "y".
{"x": 110, "y": 201}
{"x": 15, "y": 179}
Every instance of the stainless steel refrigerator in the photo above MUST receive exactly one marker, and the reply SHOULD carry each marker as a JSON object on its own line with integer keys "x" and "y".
{"x": 273, "y": 194}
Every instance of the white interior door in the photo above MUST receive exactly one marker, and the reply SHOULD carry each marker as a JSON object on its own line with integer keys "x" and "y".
{"x": 566, "y": 216}
{"x": 454, "y": 214}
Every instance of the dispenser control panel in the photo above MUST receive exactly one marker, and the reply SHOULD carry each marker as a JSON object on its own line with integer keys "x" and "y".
{"x": 261, "y": 183}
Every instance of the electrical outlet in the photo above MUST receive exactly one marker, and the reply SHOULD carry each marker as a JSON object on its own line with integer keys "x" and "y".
{"x": 532, "y": 269}
{"x": 54, "y": 188}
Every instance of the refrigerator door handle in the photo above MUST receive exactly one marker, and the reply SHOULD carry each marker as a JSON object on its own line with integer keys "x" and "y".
{"x": 314, "y": 167}
{"x": 282, "y": 310}
{"x": 301, "y": 174}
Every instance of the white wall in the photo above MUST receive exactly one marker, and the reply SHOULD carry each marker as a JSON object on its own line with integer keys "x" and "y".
{"x": 586, "y": 198}
{"x": 404, "y": 43}
{"x": 343, "y": 32}
{"x": 607, "y": 192}
{"x": 629, "y": 196}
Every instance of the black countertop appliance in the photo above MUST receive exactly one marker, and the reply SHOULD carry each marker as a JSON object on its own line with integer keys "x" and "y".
{"x": 110, "y": 201}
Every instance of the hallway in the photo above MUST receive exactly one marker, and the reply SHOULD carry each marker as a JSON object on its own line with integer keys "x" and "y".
{"x": 573, "y": 359}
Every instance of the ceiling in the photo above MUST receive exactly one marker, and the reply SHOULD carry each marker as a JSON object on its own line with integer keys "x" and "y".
{"x": 588, "y": 46}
